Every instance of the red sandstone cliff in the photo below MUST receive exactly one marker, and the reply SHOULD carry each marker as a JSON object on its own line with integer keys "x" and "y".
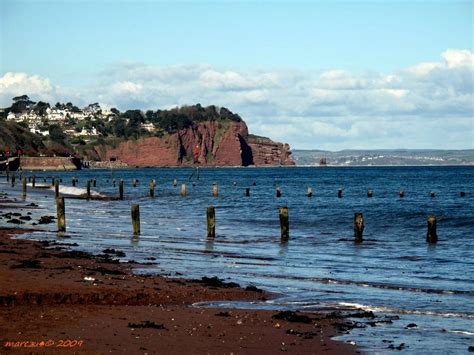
{"x": 222, "y": 143}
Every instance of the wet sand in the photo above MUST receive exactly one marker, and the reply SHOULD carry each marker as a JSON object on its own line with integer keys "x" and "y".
{"x": 54, "y": 300}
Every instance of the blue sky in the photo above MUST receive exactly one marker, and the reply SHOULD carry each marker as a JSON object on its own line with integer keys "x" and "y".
{"x": 151, "y": 54}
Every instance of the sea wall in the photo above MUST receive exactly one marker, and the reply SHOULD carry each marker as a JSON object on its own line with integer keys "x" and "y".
{"x": 49, "y": 163}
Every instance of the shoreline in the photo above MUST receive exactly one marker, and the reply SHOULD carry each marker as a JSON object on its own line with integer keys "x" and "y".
{"x": 72, "y": 300}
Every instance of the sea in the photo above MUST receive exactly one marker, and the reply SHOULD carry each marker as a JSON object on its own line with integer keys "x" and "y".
{"x": 421, "y": 294}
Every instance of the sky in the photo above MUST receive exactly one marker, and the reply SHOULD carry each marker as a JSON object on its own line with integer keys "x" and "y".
{"x": 315, "y": 74}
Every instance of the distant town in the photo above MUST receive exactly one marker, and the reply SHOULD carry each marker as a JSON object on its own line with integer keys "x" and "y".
{"x": 73, "y": 120}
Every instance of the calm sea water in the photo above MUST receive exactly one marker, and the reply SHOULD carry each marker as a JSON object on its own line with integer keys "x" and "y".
{"x": 393, "y": 272}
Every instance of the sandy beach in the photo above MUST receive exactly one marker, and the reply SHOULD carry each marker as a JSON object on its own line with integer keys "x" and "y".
{"x": 55, "y": 300}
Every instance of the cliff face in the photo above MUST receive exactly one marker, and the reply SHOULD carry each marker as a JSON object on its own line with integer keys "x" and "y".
{"x": 221, "y": 143}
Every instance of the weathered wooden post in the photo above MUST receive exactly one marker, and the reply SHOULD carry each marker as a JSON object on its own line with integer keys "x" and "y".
{"x": 247, "y": 191}
{"x": 152, "y": 189}
{"x": 88, "y": 189}
{"x": 278, "y": 192}
{"x": 215, "y": 190}
{"x": 175, "y": 183}
{"x": 339, "y": 192}
{"x": 431, "y": 235}
{"x": 33, "y": 181}
{"x": 370, "y": 193}
{"x": 358, "y": 226}
{"x": 183, "y": 190}
{"x": 94, "y": 182}
{"x": 23, "y": 182}
{"x": 61, "y": 214}
{"x": 121, "y": 189}
{"x": 136, "y": 219}
{"x": 284, "y": 224}
{"x": 402, "y": 194}
{"x": 432, "y": 194}
{"x": 309, "y": 192}
{"x": 73, "y": 182}
{"x": 56, "y": 188}
{"x": 211, "y": 222}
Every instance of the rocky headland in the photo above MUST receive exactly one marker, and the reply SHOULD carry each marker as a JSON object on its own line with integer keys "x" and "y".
{"x": 220, "y": 143}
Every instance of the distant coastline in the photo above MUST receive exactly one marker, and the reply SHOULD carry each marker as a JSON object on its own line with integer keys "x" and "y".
{"x": 385, "y": 157}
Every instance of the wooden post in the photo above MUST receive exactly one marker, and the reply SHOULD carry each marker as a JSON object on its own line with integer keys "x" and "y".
{"x": 431, "y": 235}
{"x": 23, "y": 182}
{"x": 136, "y": 219}
{"x": 73, "y": 182}
{"x": 370, "y": 193}
{"x": 175, "y": 183}
{"x": 284, "y": 224}
{"x": 61, "y": 214}
{"x": 56, "y": 188}
{"x": 211, "y": 222}
{"x": 309, "y": 193}
{"x": 402, "y": 193}
{"x": 339, "y": 192}
{"x": 152, "y": 189}
{"x": 215, "y": 190}
{"x": 183, "y": 190}
{"x": 88, "y": 189}
{"x": 121, "y": 189}
{"x": 33, "y": 181}
{"x": 278, "y": 192}
{"x": 247, "y": 191}
{"x": 358, "y": 226}
{"x": 432, "y": 194}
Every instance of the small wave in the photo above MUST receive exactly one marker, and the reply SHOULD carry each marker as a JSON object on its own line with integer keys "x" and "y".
{"x": 379, "y": 285}
{"x": 464, "y": 332}
{"x": 76, "y": 191}
{"x": 382, "y": 309}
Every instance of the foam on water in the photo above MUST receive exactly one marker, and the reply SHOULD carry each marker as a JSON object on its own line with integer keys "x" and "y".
{"x": 76, "y": 191}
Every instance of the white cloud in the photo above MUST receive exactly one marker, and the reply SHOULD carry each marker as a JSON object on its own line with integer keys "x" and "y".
{"x": 13, "y": 84}
{"x": 425, "y": 105}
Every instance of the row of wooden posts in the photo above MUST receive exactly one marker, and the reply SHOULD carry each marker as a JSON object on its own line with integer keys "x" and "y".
{"x": 211, "y": 221}
{"x": 431, "y": 235}
{"x": 215, "y": 189}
